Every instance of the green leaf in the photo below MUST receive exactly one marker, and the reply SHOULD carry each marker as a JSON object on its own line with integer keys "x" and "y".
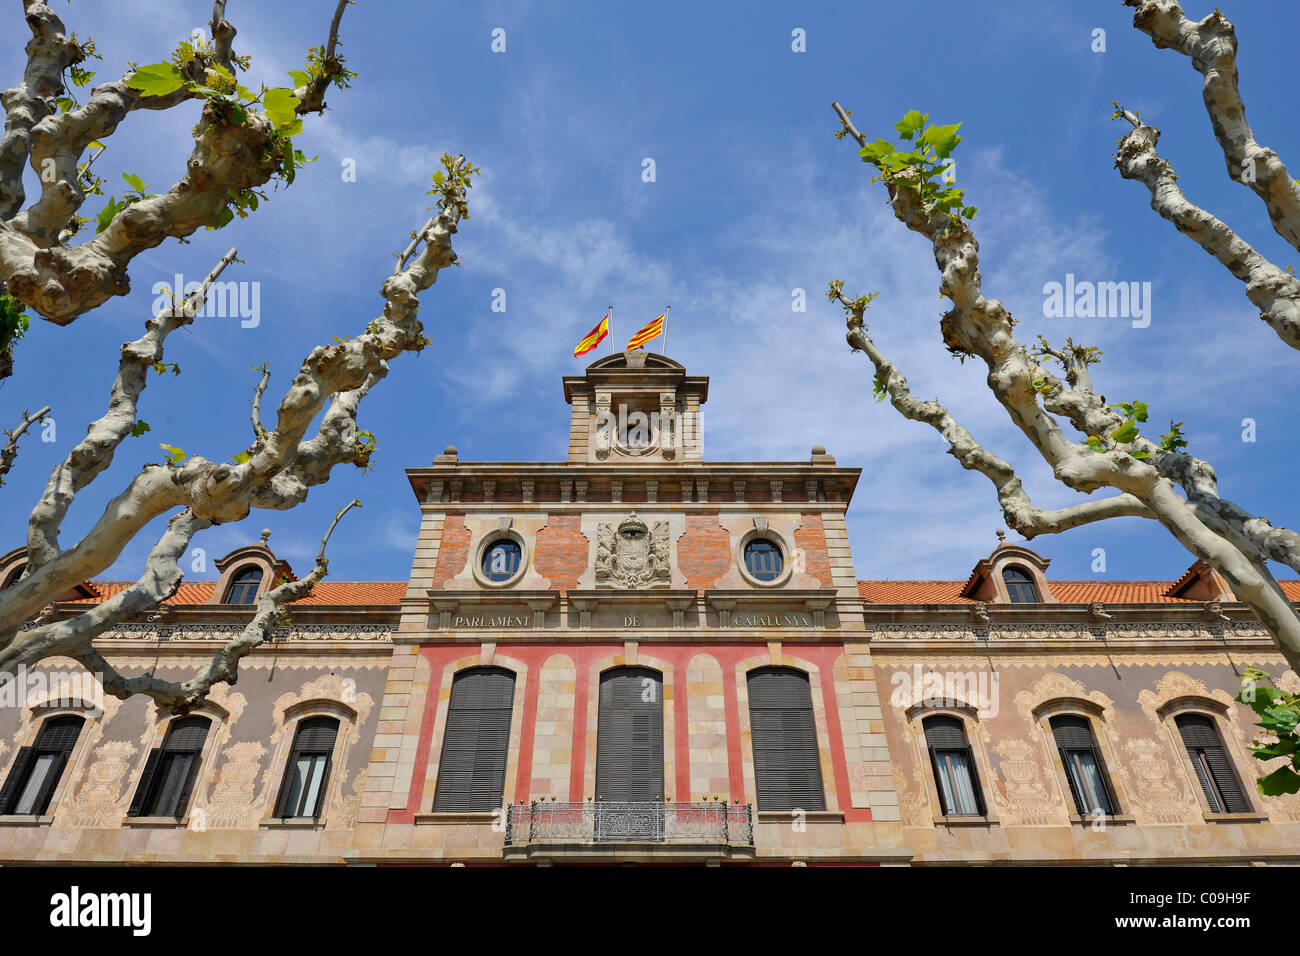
{"x": 111, "y": 209}
{"x": 1280, "y": 781}
{"x": 875, "y": 153}
{"x": 969, "y": 212}
{"x": 139, "y": 428}
{"x": 1125, "y": 433}
{"x": 174, "y": 455}
{"x": 156, "y": 79}
{"x": 943, "y": 139}
{"x": 134, "y": 181}
{"x": 242, "y": 457}
{"x": 300, "y": 77}
{"x": 66, "y": 104}
{"x": 280, "y": 105}
{"x": 911, "y": 122}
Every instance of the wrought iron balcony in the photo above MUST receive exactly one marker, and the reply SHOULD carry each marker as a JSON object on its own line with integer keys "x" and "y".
{"x": 604, "y": 822}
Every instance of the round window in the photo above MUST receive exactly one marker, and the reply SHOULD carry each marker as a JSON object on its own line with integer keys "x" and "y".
{"x": 763, "y": 559}
{"x": 501, "y": 560}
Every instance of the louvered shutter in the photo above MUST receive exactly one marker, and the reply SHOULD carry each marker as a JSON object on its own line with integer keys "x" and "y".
{"x": 1073, "y": 733}
{"x": 943, "y": 733}
{"x": 1222, "y": 789}
{"x": 787, "y": 766}
{"x": 16, "y": 780}
{"x": 143, "y": 791}
{"x": 630, "y": 736}
{"x": 476, "y": 743}
{"x": 314, "y": 735}
{"x": 190, "y": 735}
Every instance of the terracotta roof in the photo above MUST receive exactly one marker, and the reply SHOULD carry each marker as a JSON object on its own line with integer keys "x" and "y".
{"x": 326, "y": 592}
{"x": 1067, "y": 592}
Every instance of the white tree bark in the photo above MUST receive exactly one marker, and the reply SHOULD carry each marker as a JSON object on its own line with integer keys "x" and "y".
{"x": 1146, "y": 477}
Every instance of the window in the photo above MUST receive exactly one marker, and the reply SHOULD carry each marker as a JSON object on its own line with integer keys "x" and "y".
{"x": 171, "y": 770}
{"x": 472, "y": 771}
{"x": 763, "y": 559}
{"x": 630, "y": 736}
{"x": 1083, "y": 765}
{"x": 307, "y": 773}
{"x": 38, "y": 768}
{"x": 501, "y": 559}
{"x": 243, "y": 589}
{"x": 1020, "y": 586}
{"x": 12, "y": 577}
{"x": 1213, "y": 768}
{"x": 954, "y": 767}
{"x": 787, "y": 770}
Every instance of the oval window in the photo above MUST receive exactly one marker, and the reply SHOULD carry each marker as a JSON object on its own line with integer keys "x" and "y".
{"x": 501, "y": 560}
{"x": 763, "y": 559}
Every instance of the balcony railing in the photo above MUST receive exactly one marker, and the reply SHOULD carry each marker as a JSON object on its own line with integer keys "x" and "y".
{"x": 611, "y": 822}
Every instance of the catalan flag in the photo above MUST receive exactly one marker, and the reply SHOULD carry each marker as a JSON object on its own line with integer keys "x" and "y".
{"x": 593, "y": 338}
{"x": 652, "y": 329}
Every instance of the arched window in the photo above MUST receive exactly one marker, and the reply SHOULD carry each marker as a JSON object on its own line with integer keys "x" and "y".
{"x": 307, "y": 773}
{"x": 501, "y": 559}
{"x": 630, "y": 736}
{"x": 787, "y": 770}
{"x": 37, "y": 769}
{"x": 954, "y": 767}
{"x": 12, "y": 577}
{"x": 243, "y": 589}
{"x": 171, "y": 770}
{"x": 1020, "y": 586}
{"x": 476, "y": 744}
{"x": 1213, "y": 767}
{"x": 763, "y": 559}
{"x": 1084, "y": 769}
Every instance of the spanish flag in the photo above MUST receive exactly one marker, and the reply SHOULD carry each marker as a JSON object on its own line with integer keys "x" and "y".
{"x": 652, "y": 329}
{"x": 593, "y": 338}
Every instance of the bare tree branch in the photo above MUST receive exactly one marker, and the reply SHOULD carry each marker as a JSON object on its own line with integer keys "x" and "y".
{"x": 10, "y": 450}
{"x": 1273, "y": 291}
{"x": 1211, "y": 45}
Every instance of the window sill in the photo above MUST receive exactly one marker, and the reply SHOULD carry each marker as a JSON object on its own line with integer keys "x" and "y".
{"x": 292, "y": 823}
{"x": 809, "y": 816}
{"x": 25, "y": 820}
{"x": 1119, "y": 819}
{"x": 160, "y": 822}
{"x": 1236, "y": 818}
{"x": 471, "y": 818}
{"x": 965, "y": 821}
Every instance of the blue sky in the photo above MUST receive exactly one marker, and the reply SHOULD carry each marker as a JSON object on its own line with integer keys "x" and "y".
{"x": 753, "y": 198}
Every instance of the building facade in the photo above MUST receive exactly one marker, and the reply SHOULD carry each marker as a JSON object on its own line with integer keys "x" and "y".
{"x": 636, "y": 655}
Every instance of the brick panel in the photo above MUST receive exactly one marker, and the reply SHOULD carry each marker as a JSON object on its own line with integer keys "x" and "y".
{"x": 454, "y": 550}
{"x": 810, "y": 538}
{"x": 704, "y": 551}
{"x": 560, "y": 554}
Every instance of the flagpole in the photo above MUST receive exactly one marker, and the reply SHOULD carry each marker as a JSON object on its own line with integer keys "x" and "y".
{"x": 611, "y": 330}
{"x": 664, "y": 350}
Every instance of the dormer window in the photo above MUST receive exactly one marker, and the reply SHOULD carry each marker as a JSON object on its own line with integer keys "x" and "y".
{"x": 1020, "y": 585}
{"x": 243, "y": 589}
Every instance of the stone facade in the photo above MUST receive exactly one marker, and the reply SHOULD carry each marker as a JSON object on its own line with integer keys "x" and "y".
{"x": 634, "y": 552}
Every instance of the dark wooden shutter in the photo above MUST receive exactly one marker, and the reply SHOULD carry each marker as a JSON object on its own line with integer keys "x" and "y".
{"x": 16, "y": 780}
{"x": 188, "y": 735}
{"x": 314, "y": 735}
{"x": 1073, "y": 733}
{"x": 787, "y": 766}
{"x": 630, "y": 736}
{"x": 144, "y": 790}
{"x": 1200, "y": 734}
{"x": 949, "y": 733}
{"x": 476, "y": 744}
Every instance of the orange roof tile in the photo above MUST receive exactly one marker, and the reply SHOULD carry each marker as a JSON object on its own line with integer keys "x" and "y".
{"x": 1067, "y": 592}
{"x": 326, "y": 592}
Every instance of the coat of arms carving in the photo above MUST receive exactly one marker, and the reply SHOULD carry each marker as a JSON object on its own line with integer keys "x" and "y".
{"x": 633, "y": 555}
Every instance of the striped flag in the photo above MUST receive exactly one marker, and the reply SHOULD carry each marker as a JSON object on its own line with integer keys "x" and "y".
{"x": 593, "y": 338}
{"x": 652, "y": 329}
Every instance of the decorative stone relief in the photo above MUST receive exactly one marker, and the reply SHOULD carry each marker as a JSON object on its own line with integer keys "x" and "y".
{"x": 633, "y": 555}
{"x": 231, "y": 803}
{"x": 102, "y": 799}
{"x": 1027, "y": 802}
{"x": 1160, "y": 796}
